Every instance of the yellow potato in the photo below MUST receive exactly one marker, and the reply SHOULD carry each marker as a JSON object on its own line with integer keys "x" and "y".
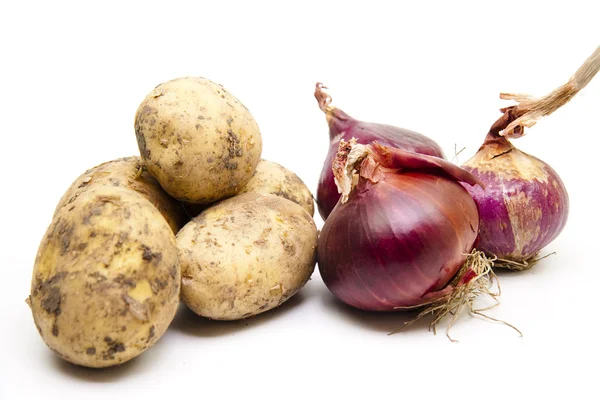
{"x": 197, "y": 139}
{"x": 269, "y": 178}
{"x": 246, "y": 255}
{"x": 127, "y": 172}
{"x": 106, "y": 279}
{"x": 272, "y": 178}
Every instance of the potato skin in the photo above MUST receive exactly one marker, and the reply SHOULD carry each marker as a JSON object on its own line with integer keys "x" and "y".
{"x": 125, "y": 172}
{"x": 246, "y": 255}
{"x": 106, "y": 279}
{"x": 269, "y": 178}
{"x": 197, "y": 139}
{"x": 272, "y": 178}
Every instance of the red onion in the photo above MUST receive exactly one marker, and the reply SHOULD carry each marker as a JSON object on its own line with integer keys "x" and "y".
{"x": 401, "y": 231}
{"x": 525, "y": 204}
{"x": 343, "y": 126}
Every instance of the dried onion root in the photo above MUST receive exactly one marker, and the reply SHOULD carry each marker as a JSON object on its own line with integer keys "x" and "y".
{"x": 475, "y": 279}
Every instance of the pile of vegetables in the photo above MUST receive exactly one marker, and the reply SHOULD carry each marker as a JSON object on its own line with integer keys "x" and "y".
{"x": 123, "y": 249}
{"x": 200, "y": 218}
{"x": 412, "y": 230}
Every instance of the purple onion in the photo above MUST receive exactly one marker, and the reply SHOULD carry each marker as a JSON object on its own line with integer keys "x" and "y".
{"x": 343, "y": 126}
{"x": 400, "y": 233}
{"x": 524, "y": 206}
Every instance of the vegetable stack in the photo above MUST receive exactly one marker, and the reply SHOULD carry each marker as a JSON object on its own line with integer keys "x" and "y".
{"x": 121, "y": 249}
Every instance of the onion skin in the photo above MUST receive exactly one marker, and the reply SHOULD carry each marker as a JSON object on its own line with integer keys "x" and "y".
{"x": 525, "y": 205}
{"x": 398, "y": 242}
{"x": 342, "y": 126}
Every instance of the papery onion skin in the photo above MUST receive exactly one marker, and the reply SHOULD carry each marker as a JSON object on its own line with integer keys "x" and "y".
{"x": 525, "y": 205}
{"x": 398, "y": 242}
{"x": 343, "y": 126}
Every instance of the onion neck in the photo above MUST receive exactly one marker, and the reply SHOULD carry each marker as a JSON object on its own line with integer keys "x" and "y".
{"x": 494, "y": 140}
{"x": 339, "y": 122}
{"x": 494, "y": 136}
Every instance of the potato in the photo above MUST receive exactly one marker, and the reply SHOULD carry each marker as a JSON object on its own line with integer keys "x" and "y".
{"x": 269, "y": 178}
{"x": 126, "y": 172}
{"x": 245, "y": 255}
{"x": 106, "y": 279}
{"x": 197, "y": 139}
{"x": 272, "y": 178}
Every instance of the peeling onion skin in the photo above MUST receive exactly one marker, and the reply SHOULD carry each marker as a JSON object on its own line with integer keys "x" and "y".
{"x": 399, "y": 242}
{"x": 525, "y": 205}
{"x": 343, "y": 126}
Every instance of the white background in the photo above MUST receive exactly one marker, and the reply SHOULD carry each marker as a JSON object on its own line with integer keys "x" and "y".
{"x": 72, "y": 76}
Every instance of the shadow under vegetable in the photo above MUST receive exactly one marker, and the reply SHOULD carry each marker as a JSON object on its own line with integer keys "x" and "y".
{"x": 100, "y": 375}
{"x": 187, "y": 322}
{"x": 379, "y": 321}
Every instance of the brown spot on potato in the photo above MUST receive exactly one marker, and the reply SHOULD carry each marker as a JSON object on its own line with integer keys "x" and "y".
{"x": 122, "y": 237}
{"x": 286, "y": 195}
{"x": 116, "y": 348}
{"x": 51, "y": 301}
{"x": 95, "y": 210}
{"x": 160, "y": 284}
{"x": 151, "y": 332}
{"x": 141, "y": 140}
{"x": 147, "y": 254}
{"x": 90, "y": 351}
{"x": 230, "y": 165}
{"x": 64, "y": 231}
{"x": 129, "y": 282}
{"x": 139, "y": 310}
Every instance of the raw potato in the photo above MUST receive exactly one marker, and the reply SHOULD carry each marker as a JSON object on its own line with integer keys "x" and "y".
{"x": 246, "y": 255}
{"x": 106, "y": 279}
{"x": 197, "y": 139}
{"x": 269, "y": 178}
{"x": 125, "y": 172}
{"x": 272, "y": 178}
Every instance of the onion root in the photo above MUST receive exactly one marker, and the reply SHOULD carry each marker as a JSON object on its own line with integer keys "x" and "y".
{"x": 475, "y": 278}
{"x": 520, "y": 265}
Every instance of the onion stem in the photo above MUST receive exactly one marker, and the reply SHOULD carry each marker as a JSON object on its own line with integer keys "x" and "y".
{"x": 323, "y": 98}
{"x": 530, "y": 109}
